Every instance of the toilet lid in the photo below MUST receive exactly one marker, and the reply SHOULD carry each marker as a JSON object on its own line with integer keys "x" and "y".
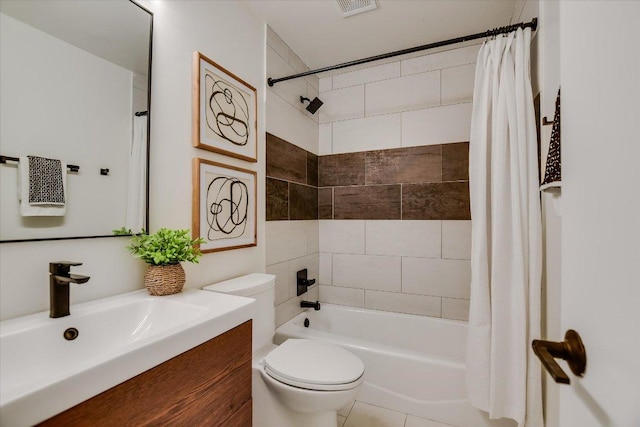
{"x": 314, "y": 365}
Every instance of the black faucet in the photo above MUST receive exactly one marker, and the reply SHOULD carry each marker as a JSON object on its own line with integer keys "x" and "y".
{"x": 310, "y": 304}
{"x": 59, "y": 281}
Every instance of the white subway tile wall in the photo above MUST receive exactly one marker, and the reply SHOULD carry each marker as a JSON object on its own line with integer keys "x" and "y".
{"x": 276, "y": 43}
{"x": 342, "y": 296}
{"x": 440, "y": 60}
{"x": 290, "y": 124}
{"x": 342, "y": 104}
{"x": 403, "y": 94}
{"x": 283, "y": 281}
{"x": 403, "y": 303}
{"x": 440, "y": 277}
{"x": 290, "y": 90}
{"x": 457, "y": 84}
{"x": 456, "y": 239}
{"x": 457, "y": 309}
{"x": 326, "y": 268}
{"x": 325, "y": 83}
{"x": 417, "y": 267}
{"x": 367, "y": 75}
{"x": 283, "y": 62}
{"x": 382, "y": 273}
{"x": 431, "y": 93}
{"x": 441, "y": 125}
{"x": 325, "y": 139}
{"x": 391, "y": 237}
{"x": 369, "y": 133}
{"x": 342, "y": 236}
{"x": 291, "y": 245}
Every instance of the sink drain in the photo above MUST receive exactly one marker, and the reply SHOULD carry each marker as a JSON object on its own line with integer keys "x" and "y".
{"x": 71, "y": 334}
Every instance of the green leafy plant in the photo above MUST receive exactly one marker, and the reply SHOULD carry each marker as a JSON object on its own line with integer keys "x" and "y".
{"x": 166, "y": 247}
{"x": 123, "y": 231}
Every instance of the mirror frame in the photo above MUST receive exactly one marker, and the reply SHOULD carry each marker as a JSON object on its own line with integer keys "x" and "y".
{"x": 148, "y": 148}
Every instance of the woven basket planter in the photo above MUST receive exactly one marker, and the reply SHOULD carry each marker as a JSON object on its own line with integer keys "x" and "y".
{"x": 164, "y": 279}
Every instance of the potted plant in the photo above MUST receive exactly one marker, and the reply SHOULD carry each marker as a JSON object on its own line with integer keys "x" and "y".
{"x": 164, "y": 250}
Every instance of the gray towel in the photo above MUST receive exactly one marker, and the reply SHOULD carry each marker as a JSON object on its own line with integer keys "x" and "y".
{"x": 45, "y": 181}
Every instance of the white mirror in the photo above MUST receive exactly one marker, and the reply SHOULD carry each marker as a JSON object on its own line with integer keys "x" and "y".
{"x": 75, "y": 84}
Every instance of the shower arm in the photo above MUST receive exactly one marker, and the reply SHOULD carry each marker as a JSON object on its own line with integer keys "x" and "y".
{"x": 489, "y": 33}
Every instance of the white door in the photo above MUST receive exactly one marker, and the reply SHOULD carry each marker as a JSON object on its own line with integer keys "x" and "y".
{"x": 600, "y": 80}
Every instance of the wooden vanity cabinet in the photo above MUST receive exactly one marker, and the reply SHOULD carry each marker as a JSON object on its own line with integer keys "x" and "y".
{"x": 209, "y": 385}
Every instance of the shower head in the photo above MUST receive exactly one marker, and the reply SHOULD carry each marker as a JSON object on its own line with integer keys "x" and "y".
{"x": 313, "y": 105}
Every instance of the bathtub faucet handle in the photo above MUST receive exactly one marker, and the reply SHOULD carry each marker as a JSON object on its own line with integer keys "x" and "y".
{"x": 303, "y": 282}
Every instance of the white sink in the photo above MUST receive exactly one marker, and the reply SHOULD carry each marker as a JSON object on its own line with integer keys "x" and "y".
{"x": 42, "y": 373}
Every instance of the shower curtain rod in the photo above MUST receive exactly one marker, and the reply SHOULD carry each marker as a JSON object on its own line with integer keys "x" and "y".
{"x": 489, "y": 33}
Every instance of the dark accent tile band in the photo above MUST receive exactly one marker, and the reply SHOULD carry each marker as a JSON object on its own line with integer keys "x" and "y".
{"x": 285, "y": 161}
{"x": 404, "y": 165}
{"x": 444, "y": 201}
{"x": 341, "y": 169}
{"x": 325, "y": 203}
{"x": 303, "y": 200}
{"x": 277, "y": 200}
{"x": 455, "y": 162}
{"x": 367, "y": 202}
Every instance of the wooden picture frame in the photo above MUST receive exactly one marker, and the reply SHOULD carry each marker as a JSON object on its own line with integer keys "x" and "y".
{"x": 224, "y": 206}
{"x": 225, "y": 111}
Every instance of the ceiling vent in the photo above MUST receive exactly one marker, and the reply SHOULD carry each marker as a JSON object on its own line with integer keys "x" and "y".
{"x": 353, "y": 7}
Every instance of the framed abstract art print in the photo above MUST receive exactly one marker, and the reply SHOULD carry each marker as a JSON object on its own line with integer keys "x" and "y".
{"x": 224, "y": 206}
{"x": 224, "y": 111}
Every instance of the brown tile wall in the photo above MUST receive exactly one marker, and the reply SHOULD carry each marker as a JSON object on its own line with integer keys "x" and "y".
{"x": 425, "y": 183}
{"x": 292, "y": 181}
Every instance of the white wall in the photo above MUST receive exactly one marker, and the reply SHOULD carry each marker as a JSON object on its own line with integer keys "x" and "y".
{"x": 417, "y": 267}
{"x": 234, "y": 38}
{"x": 49, "y": 109}
{"x": 290, "y": 245}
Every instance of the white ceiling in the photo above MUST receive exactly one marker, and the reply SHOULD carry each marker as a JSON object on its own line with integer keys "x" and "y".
{"x": 320, "y": 36}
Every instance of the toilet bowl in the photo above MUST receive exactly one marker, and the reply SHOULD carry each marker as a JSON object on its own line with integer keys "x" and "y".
{"x": 301, "y": 383}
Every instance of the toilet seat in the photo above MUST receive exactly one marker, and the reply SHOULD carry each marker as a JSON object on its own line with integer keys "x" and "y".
{"x": 314, "y": 365}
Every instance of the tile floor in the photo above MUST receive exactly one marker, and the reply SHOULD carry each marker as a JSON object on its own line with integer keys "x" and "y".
{"x": 359, "y": 414}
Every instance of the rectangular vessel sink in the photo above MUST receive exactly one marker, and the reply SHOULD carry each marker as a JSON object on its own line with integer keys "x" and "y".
{"x": 42, "y": 372}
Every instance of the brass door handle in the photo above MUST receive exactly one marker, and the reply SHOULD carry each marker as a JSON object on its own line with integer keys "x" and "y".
{"x": 571, "y": 349}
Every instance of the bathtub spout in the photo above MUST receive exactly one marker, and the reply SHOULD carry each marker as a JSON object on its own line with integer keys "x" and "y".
{"x": 309, "y": 304}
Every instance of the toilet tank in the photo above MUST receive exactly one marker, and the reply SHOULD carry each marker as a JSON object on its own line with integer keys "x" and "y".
{"x": 260, "y": 287}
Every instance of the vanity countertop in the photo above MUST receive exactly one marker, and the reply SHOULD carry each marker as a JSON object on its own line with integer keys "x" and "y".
{"x": 42, "y": 373}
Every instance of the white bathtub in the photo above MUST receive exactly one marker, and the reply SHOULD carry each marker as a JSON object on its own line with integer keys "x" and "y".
{"x": 413, "y": 364}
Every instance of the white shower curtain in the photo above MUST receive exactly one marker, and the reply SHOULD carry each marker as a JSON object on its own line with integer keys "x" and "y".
{"x": 503, "y": 375}
{"x": 137, "y": 178}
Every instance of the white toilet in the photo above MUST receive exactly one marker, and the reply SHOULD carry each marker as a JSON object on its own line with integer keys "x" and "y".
{"x": 301, "y": 383}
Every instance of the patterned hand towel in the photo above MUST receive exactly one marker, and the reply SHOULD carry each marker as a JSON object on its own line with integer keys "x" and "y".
{"x": 42, "y": 191}
{"x": 552, "y": 174}
{"x": 45, "y": 182}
